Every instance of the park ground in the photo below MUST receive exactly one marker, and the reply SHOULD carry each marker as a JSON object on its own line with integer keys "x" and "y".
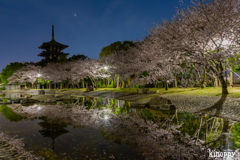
{"x": 234, "y": 92}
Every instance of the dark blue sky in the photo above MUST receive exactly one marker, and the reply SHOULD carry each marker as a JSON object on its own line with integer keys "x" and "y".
{"x": 26, "y": 24}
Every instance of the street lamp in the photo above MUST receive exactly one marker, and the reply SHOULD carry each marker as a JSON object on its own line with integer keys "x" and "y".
{"x": 105, "y": 67}
{"x": 38, "y": 75}
{"x": 106, "y": 117}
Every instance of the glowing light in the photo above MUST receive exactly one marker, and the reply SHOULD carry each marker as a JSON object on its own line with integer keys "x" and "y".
{"x": 106, "y": 117}
{"x": 106, "y": 67}
{"x": 38, "y": 75}
{"x": 39, "y": 108}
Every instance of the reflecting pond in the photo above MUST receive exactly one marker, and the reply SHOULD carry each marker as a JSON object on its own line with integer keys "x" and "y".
{"x": 97, "y": 128}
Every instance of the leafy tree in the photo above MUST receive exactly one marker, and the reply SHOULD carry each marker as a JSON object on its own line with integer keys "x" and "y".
{"x": 62, "y": 58}
{"x": 77, "y": 57}
{"x": 9, "y": 114}
{"x": 9, "y": 70}
{"x": 115, "y": 47}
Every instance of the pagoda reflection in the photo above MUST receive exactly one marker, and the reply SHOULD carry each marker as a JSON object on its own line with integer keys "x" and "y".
{"x": 52, "y": 130}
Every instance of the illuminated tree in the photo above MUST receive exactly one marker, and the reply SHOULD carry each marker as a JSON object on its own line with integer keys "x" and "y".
{"x": 206, "y": 34}
{"x": 27, "y": 73}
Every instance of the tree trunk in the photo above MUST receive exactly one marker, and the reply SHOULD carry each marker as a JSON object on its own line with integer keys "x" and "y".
{"x": 219, "y": 83}
{"x": 118, "y": 103}
{"x": 216, "y": 82}
{"x": 206, "y": 130}
{"x": 231, "y": 76}
{"x": 166, "y": 85}
{"x": 55, "y": 85}
{"x": 175, "y": 81}
{"x": 117, "y": 82}
{"x": 96, "y": 86}
{"x": 202, "y": 85}
{"x": 223, "y": 84}
{"x": 224, "y": 140}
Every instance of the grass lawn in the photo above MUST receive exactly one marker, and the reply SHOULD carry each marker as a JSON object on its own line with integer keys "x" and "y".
{"x": 208, "y": 91}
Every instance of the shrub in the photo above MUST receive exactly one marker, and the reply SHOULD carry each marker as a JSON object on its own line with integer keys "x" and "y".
{"x": 111, "y": 85}
{"x": 99, "y": 84}
{"x": 2, "y": 88}
{"x": 136, "y": 86}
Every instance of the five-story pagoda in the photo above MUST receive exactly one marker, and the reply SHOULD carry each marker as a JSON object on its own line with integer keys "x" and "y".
{"x": 53, "y": 49}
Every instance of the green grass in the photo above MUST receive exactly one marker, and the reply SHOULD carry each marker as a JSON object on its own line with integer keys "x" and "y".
{"x": 208, "y": 91}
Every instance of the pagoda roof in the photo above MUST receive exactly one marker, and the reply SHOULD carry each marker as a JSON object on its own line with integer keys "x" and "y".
{"x": 46, "y": 45}
{"x": 44, "y": 53}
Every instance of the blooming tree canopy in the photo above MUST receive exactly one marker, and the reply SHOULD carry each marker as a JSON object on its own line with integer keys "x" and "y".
{"x": 205, "y": 33}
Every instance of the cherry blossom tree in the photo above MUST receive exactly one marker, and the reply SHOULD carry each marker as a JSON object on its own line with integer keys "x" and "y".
{"x": 143, "y": 63}
{"x": 57, "y": 72}
{"x": 28, "y": 73}
{"x": 206, "y": 34}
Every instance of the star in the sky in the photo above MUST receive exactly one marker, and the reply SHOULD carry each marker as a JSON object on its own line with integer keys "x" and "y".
{"x": 75, "y": 14}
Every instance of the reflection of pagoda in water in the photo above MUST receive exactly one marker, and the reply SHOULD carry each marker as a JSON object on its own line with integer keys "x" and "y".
{"x": 52, "y": 130}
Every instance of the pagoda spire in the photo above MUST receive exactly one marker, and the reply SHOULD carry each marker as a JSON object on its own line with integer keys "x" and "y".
{"x": 53, "y": 32}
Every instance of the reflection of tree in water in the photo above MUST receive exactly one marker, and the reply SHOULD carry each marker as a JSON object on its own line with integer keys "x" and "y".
{"x": 127, "y": 128}
{"x": 197, "y": 126}
{"x": 9, "y": 114}
{"x": 117, "y": 106}
{"x": 52, "y": 129}
{"x": 224, "y": 140}
{"x": 214, "y": 131}
{"x": 235, "y": 132}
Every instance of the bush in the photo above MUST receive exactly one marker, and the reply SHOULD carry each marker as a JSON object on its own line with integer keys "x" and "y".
{"x": 104, "y": 86}
{"x": 109, "y": 86}
{"x": 99, "y": 84}
{"x": 137, "y": 86}
{"x": 2, "y": 88}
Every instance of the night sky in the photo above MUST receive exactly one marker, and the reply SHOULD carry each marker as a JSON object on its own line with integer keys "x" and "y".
{"x": 85, "y": 25}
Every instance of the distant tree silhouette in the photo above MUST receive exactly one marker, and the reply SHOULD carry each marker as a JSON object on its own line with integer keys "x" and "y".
{"x": 115, "y": 47}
